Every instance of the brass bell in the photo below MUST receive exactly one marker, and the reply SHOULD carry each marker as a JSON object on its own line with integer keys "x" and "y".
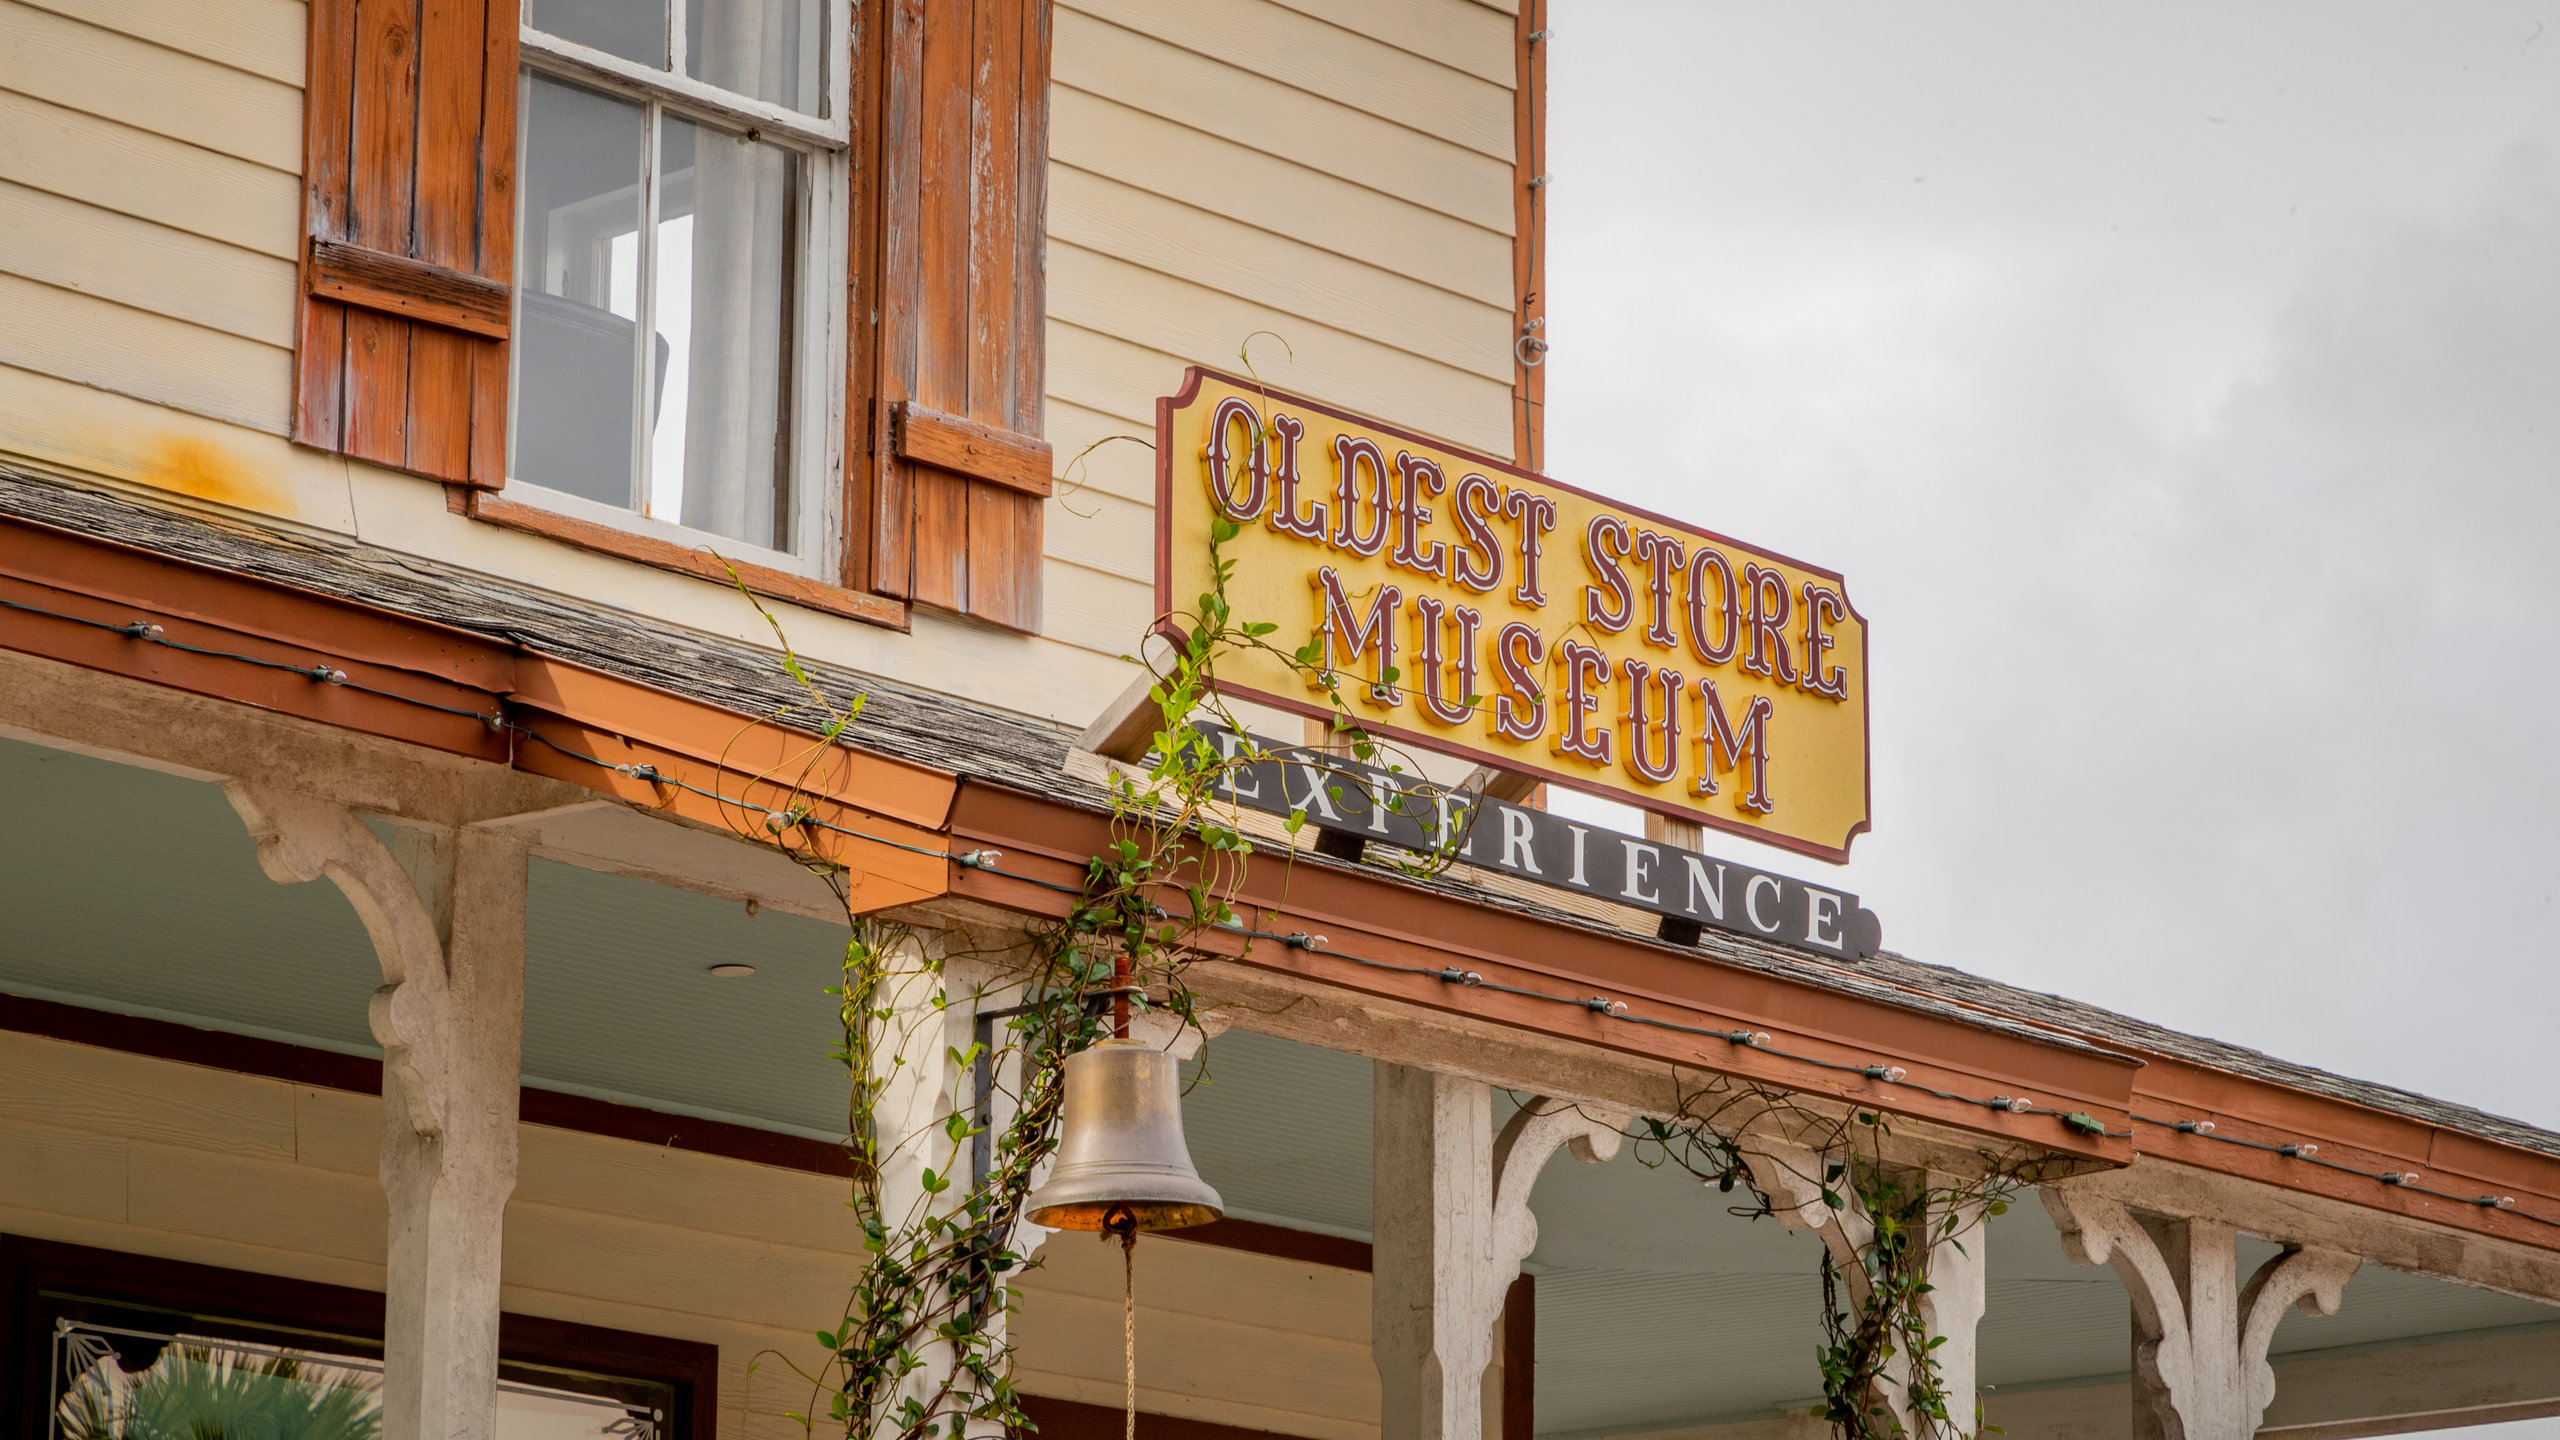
{"x": 1122, "y": 1164}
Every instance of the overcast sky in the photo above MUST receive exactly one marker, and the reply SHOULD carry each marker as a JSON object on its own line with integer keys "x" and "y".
{"x": 2178, "y": 387}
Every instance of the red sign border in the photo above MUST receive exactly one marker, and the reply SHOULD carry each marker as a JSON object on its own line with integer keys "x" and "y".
{"x": 1192, "y": 376}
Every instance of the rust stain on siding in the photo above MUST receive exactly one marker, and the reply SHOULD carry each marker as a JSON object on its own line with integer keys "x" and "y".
{"x": 198, "y": 467}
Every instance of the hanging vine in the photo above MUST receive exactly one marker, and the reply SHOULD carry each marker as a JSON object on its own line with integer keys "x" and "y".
{"x": 1877, "y": 1354}
{"x": 920, "y": 1348}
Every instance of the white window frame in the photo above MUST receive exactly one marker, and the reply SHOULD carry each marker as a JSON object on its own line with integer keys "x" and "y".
{"x": 819, "y": 361}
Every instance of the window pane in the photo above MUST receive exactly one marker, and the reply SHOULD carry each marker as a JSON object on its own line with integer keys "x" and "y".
{"x": 632, "y": 29}
{"x": 720, "y": 453}
{"x": 578, "y": 273}
{"x": 769, "y": 49}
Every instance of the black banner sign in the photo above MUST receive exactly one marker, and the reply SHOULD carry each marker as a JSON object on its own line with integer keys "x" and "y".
{"x": 1352, "y": 799}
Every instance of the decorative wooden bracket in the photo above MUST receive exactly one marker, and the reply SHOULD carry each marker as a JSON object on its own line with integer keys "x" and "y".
{"x": 2199, "y": 1338}
{"x": 1532, "y": 1137}
{"x": 1796, "y": 1181}
{"x": 302, "y": 837}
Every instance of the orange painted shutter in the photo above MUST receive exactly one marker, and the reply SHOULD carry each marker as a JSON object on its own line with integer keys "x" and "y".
{"x": 960, "y": 472}
{"x": 409, "y": 204}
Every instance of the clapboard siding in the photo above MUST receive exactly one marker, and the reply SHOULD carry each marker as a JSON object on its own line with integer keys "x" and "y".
{"x": 150, "y": 87}
{"x": 1207, "y": 248}
{"x": 1329, "y": 60}
{"x": 1466, "y": 35}
{"x": 151, "y": 357}
{"x": 1102, "y": 293}
{"x": 150, "y": 177}
{"x": 1101, "y": 453}
{"x": 1235, "y": 103}
{"x": 1099, "y": 134}
{"x": 136, "y": 263}
{"x": 1102, "y": 532}
{"x": 1096, "y": 610}
{"x": 261, "y": 37}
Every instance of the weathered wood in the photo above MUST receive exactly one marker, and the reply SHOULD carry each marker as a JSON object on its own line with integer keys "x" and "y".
{"x": 956, "y": 504}
{"x": 683, "y": 559}
{"x": 977, "y": 450}
{"x": 892, "y": 516}
{"x": 944, "y": 209}
{"x": 490, "y": 391}
{"x": 409, "y": 206}
{"x": 411, "y": 289}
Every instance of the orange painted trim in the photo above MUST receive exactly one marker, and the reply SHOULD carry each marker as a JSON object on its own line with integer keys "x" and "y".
{"x": 744, "y": 746}
{"x": 2242, "y": 1108}
{"x": 883, "y": 872}
{"x": 684, "y": 560}
{"x": 1379, "y": 919}
{"x": 615, "y": 720}
{"x": 351, "y": 706}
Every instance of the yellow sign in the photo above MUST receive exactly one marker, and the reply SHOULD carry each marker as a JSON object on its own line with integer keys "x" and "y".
{"x": 1471, "y": 608}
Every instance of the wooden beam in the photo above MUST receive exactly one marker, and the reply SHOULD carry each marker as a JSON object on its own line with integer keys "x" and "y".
{"x": 966, "y": 447}
{"x": 413, "y": 289}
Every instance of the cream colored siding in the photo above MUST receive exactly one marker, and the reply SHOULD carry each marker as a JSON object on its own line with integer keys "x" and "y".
{"x": 186, "y": 1163}
{"x": 1235, "y": 102}
{"x": 116, "y": 347}
{"x": 150, "y": 87}
{"x": 149, "y": 200}
{"x": 1341, "y": 63}
{"x": 261, "y": 37}
{"x": 1312, "y": 207}
{"x": 1337, "y": 177}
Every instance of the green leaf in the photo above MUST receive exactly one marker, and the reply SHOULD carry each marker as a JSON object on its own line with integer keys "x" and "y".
{"x": 1222, "y": 530}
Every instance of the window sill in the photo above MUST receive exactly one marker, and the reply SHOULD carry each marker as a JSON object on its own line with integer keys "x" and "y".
{"x": 762, "y": 580}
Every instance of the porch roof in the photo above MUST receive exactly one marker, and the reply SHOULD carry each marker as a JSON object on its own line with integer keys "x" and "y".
{"x": 998, "y": 754}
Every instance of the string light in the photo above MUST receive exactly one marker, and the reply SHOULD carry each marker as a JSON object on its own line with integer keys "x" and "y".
{"x": 1603, "y": 1007}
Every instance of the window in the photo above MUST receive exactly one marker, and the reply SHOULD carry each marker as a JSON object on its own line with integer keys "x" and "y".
{"x": 679, "y": 236}
{"x": 649, "y": 319}
{"x": 102, "y": 1345}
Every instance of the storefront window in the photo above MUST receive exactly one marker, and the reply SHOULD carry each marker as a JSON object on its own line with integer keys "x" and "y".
{"x": 117, "y": 1383}
{"x": 103, "y": 1345}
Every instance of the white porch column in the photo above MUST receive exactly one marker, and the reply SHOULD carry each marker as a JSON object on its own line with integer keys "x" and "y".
{"x": 1450, "y": 1226}
{"x": 2200, "y": 1338}
{"x": 446, "y": 913}
{"x": 1951, "y": 1310}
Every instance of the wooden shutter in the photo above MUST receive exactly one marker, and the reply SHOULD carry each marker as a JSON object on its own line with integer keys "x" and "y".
{"x": 958, "y": 474}
{"x": 409, "y": 209}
